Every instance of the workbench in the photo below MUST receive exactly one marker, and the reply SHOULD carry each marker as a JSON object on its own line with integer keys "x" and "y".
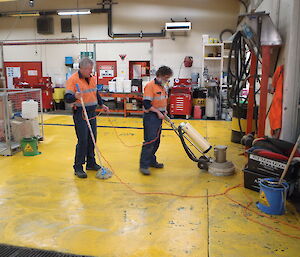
{"x": 124, "y": 96}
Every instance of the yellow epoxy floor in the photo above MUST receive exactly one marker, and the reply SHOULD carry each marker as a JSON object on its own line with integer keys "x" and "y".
{"x": 43, "y": 205}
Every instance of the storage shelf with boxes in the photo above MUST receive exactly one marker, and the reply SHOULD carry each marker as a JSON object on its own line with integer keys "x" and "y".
{"x": 124, "y": 96}
{"x": 131, "y": 102}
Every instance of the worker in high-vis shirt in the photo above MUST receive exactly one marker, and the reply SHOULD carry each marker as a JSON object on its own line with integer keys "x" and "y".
{"x": 155, "y": 107}
{"x": 83, "y": 84}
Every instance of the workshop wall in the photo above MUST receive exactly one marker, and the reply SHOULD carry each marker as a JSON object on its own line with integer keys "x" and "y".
{"x": 207, "y": 17}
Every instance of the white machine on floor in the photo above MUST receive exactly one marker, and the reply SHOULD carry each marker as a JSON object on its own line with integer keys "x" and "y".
{"x": 217, "y": 166}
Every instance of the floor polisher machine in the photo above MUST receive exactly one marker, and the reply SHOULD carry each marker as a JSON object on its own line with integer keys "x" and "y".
{"x": 217, "y": 166}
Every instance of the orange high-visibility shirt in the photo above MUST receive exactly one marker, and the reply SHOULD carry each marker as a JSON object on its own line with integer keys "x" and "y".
{"x": 157, "y": 95}
{"x": 88, "y": 90}
{"x": 275, "y": 115}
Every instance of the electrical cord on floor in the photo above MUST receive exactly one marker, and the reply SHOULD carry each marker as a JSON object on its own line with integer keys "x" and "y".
{"x": 246, "y": 207}
{"x": 120, "y": 139}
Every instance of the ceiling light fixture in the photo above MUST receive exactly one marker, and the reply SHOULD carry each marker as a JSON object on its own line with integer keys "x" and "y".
{"x": 74, "y": 12}
{"x": 31, "y": 3}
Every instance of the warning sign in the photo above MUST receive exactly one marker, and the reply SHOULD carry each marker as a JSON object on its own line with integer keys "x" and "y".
{"x": 263, "y": 199}
{"x": 28, "y": 148}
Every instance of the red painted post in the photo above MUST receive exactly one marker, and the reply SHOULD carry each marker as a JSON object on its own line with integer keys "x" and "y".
{"x": 266, "y": 62}
{"x": 250, "y": 106}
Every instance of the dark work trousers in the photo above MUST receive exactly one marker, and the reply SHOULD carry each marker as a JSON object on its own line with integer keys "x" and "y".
{"x": 152, "y": 130}
{"x": 85, "y": 147}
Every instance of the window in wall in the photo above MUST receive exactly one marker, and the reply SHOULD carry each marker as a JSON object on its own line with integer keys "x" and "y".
{"x": 66, "y": 25}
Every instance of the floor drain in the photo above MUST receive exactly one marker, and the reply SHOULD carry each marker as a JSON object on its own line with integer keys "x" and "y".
{"x": 15, "y": 251}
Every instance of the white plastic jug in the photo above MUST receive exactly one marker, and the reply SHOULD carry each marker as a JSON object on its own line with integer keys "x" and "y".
{"x": 127, "y": 86}
{"x": 119, "y": 85}
{"x": 30, "y": 109}
{"x": 112, "y": 86}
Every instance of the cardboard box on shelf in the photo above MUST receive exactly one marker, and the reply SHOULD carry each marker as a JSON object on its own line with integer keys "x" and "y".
{"x": 129, "y": 106}
{"x": 17, "y": 130}
{"x": 24, "y": 128}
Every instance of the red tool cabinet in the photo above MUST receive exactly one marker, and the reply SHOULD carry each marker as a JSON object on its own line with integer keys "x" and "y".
{"x": 44, "y": 84}
{"x": 181, "y": 101}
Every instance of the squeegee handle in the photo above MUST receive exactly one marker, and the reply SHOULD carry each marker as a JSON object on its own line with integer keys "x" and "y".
{"x": 89, "y": 126}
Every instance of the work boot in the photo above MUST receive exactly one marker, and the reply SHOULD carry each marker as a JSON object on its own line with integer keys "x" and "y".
{"x": 157, "y": 165}
{"x": 95, "y": 167}
{"x": 79, "y": 172}
{"x": 145, "y": 171}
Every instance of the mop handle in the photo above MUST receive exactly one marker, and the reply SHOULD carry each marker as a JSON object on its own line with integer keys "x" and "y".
{"x": 289, "y": 160}
{"x": 89, "y": 126}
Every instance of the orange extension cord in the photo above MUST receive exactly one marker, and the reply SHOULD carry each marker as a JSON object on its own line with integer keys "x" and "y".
{"x": 117, "y": 135}
{"x": 246, "y": 207}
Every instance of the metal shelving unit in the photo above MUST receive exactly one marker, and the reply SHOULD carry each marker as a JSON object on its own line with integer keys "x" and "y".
{"x": 11, "y": 108}
{"x": 124, "y": 97}
{"x": 215, "y": 49}
{"x": 214, "y": 63}
{"x": 217, "y": 64}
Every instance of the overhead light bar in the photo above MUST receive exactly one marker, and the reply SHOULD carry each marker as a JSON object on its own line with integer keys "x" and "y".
{"x": 25, "y": 14}
{"x": 74, "y": 12}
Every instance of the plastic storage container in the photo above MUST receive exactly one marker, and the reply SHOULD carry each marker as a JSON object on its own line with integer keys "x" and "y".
{"x": 59, "y": 94}
{"x": 197, "y": 112}
{"x": 127, "y": 86}
{"x": 272, "y": 196}
{"x": 112, "y": 86}
{"x": 30, "y": 146}
{"x": 30, "y": 109}
{"x": 119, "y": 85}
{"x": 69, "y": 60}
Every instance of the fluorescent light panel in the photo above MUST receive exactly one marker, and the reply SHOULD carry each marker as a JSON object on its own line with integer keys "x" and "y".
{"x": 74, "y": 12}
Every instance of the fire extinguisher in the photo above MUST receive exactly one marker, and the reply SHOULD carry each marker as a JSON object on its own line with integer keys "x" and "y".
{"x": 188, "y": 61}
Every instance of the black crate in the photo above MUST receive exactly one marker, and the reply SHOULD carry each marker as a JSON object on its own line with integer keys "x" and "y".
{"x": 266, "y": 166}
{"x": 251, "y": 179}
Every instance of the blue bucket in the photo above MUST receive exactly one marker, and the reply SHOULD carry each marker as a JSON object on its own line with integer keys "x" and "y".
{"x": 100, "y": 87}
{"x": 272, "y": 199}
